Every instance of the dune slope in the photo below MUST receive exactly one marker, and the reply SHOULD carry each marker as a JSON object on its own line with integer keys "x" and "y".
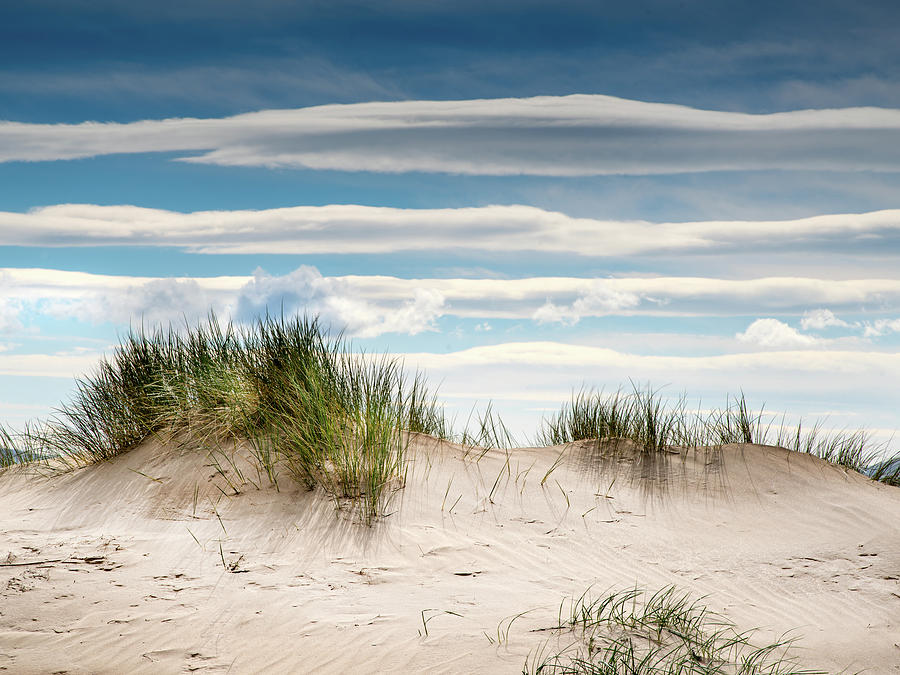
{"x": 157, "y": 561}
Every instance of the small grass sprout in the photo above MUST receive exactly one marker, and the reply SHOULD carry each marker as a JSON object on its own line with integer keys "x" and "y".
{"x": 663, "y": 633}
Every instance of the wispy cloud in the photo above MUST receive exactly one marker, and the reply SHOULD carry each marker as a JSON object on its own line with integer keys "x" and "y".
{"x": 551, "y": 355}
{"x": 556, "y": 136}
{"x": 151, "y": 302}
{"x": 822, "y": 379}
{"x": 372, "y": 305}
{"x": 64, "y": 364}
{"x": 555, "y": 354}
{"x": 600, "y": 299}
{"x": 350, "y": 304}
{"x": 253, "y": 83}
{"x": 819, "y": 319}
{"x": 511, "y": 372}
{"x": 9, "y": 315}
{"x": 337, "y": 229}
{"x": 882, "y": 326}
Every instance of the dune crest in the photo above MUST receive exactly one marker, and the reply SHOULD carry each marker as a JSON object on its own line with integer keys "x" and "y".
{"x": 167, "y": 560}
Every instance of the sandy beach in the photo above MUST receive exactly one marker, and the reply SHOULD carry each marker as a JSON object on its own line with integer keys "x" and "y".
{"x": 158, "y": 562}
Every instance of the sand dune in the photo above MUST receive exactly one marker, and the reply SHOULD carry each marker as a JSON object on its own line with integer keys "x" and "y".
{"x": 151, "y": 562}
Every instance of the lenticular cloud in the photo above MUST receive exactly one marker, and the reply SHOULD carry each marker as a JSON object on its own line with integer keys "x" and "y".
{"x": 351, "y": 228}
{"x": 553, "y": 136}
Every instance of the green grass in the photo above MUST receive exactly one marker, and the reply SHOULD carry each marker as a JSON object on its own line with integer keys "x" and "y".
{"x": 8, "y": 454}
{"x": 645, "y": 417}
{"x": 300, "y": 398}
{"x": 489, "y": 431}
{"x": 655, "y": 424}
{"x": 22, "y": 448}
{"x": 635, "y": 633}
{"x": 307, "y": 405}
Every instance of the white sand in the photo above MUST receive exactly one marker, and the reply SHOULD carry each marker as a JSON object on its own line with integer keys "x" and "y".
{"x": 103, "y": 572}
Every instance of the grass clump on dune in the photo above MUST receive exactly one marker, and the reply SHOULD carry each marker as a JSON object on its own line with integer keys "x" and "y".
{"x": 306, "y": 403}
{"x": 646, "y": 418}
{"x": 660, "y": 634}
{"x": 300, "y": 398}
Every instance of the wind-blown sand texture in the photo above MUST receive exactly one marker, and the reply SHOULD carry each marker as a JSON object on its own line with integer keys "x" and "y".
{"x": 117, "y": 567}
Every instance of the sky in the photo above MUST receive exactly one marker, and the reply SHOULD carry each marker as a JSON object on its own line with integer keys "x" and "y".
{"x": 523, "y": 199}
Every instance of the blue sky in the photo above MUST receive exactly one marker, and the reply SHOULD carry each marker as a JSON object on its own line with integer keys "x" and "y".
{"x": 522, "y": 198}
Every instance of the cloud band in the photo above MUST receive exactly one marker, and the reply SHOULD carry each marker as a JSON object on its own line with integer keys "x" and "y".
{"x": 554, "y": 136}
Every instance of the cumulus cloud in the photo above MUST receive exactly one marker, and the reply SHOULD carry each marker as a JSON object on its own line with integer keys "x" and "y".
{"x": 600, "y": 300}
{"x": 9, "y": 316}
{"x": 291, "y": 292}
{"x": 151, "y": 302}
{"x": 775, "y": 334}
{"x": 305, "y": 290}
{"x": 819, "y": 319}
{"x": 359, "y": 306}
{"x": 545, "y": 135}
{"x": 340, "y": 228}
{"x": 367, "y": 305}
{"x": 881, "y": 327}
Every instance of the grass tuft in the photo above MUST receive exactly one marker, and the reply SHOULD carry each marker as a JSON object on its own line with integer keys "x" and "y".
{"x": 22, "y": 448}
{"x": 664, "y": 633}
{"x": 655, "y": 424}
{"x": 306, "y": 404}
{"x": 300, "y": 399}
{"x": 489, "y": 432}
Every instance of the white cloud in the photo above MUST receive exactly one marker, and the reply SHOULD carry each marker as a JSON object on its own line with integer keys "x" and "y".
{"x": 819, "y": 319}
{"x": 352, "y": 228}
{"x": 9, "y": 315}
{"x": 369, "y": 305}
{"x": 49, "y": 365}
{"x": 882, "y": 326}
{"x": 333, "y": 299}
{"x": 599, "y": 300}
{"x": 356, "y": 305}
{"x": 774, "y": 334}
{"x": 304, "y": 287}
{"x": 151, "y": 302}
{"x": 517, "y": 377}
{"x": 581, "y": 363}
{"x": 556, "y": 354}
{"x": 545, "y": 135}
{"x": 514, "y": 373}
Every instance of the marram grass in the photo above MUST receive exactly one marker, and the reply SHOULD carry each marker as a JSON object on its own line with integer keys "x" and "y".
{"x": 300, "y": 398}
{"x": 310, "y": 407}
{"x": 665, "y": 633}
{"x": 654, "y": 424}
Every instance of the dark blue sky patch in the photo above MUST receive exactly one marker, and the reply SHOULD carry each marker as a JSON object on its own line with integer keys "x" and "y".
{"x": 68, "y": 62}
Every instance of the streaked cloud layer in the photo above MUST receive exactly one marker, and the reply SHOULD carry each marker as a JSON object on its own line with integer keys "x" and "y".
{"x": 577, "y": 135}
{"x": 341, "y": 229}
{"x": 523, "y": 377}
{"x": 369, "y": 306}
